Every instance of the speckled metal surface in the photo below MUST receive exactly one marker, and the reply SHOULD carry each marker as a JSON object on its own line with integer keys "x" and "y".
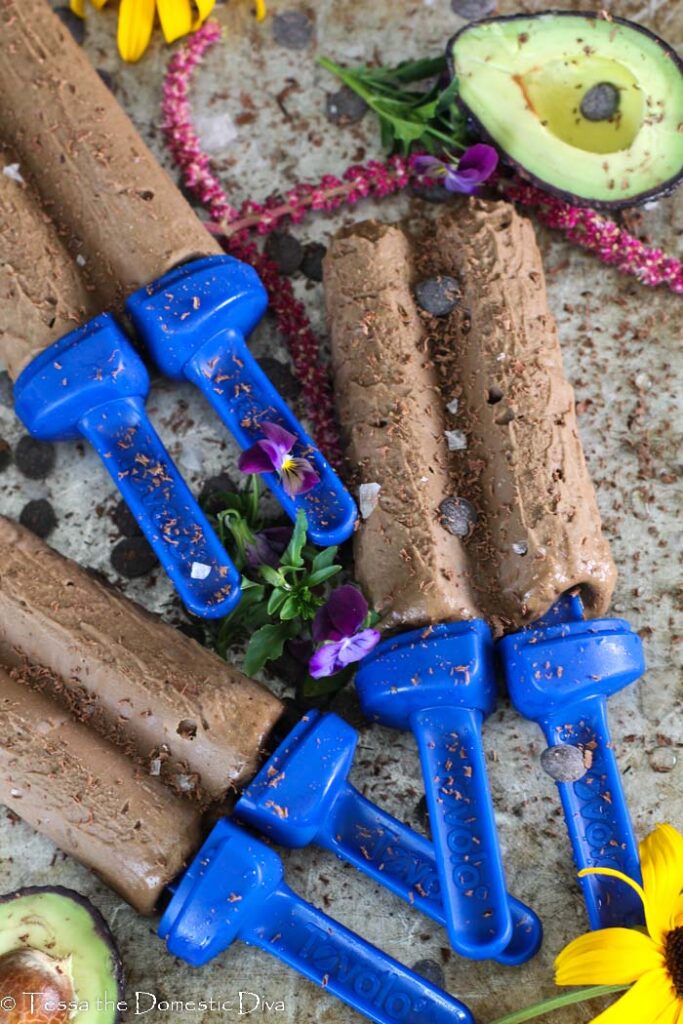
{"x": 260, "y": 108}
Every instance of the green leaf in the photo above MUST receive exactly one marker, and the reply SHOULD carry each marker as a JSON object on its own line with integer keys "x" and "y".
{"x": 324, "y": 558}
{"x": 316, "y": 578}
{"x": 326, "y": 686}
{"x": 292, "y": 556}
{"x": 276, "y": 600}
{"x": 265, "y": 645}
{"x": 447, "y": 97}
{"x": 272, "y": 576}
{"x": 290, "y": 609}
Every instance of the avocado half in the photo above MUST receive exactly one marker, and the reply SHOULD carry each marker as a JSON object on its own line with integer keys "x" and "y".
{"x": 586, "y": 107}
{"x": 54, "y": 942}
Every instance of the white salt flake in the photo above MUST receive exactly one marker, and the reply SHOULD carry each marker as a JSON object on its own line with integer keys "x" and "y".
{"x": 199, "y": 571}
{"x": 520, "y": 548}
{"x": 155, "y": 766}
{"x": 456, "y": 440}
{"x": 81, "y": 260}
{"x": 216, "y": 131}
{"x": 12, "y": 171}
{"x": 368, "y": 496}
{"x": 452, "y": 406}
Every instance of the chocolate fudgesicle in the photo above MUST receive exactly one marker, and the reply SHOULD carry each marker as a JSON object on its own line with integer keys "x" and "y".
{"x": 89, "y": 799}
{"x": 412, "y": 570}
{"x": 539, "y": 532}
{"x": 490, "y": 373}
{"x": 42, "y": 294}
{"x": 96, "y": 176}
{"x": 172, "y": 698}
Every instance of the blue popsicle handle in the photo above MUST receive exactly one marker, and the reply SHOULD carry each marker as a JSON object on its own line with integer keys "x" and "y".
{"x": 194, "y": 321}
{"x": 243, "y": 397}
{"x": 188, "y": 549}
{"x": 598, "y": 821}
{"x": 403, "y": 861}
{"x": 464, "y": 834}
{"x": 330, "y": 955}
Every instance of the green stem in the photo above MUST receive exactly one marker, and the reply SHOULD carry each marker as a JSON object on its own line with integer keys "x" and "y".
{"x": 558, "y": 1002}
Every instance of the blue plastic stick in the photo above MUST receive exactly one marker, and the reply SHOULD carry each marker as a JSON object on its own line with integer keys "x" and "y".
{"x": 194, "y": 321}
{"x": 559, "y": 673}
{"x": 92, "y": 383}
{"x": 234, "y": 889}
{"x": 302, "y": 796}
{"x": 439, "y": 683}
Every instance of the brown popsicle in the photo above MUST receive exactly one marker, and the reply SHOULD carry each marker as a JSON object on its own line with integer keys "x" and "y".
{"x": 523, "y": 467}
{"x": 539, "y": 532}
{"x": 97, "y": 178}
{"x": 154, "y": 686}
{"x": 412, "y": 570}
{"x": 42, "y": 294}
{"x": 89, "y": 799}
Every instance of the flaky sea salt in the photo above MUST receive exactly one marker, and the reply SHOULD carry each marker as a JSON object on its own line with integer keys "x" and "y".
{"x": 456, "y": 440}
{"x": 12, "y": 171}
{"x": 368, "y": 496}
{"x": 199, "y": 571}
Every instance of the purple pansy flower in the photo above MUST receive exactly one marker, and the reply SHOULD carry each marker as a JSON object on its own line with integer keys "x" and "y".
{"x": 474, "y": 167}
{"x": 266, "y": 546}
{"x": 337, "y": 627}
{"x": 274, "y": 453}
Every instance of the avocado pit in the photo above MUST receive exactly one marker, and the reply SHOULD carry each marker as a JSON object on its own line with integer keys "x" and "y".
{"x": 48, "y": 978}
{"x": 600, "y": 103}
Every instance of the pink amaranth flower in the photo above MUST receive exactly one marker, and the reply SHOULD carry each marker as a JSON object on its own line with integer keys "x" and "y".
{"x": 475, "y": 166}
{"x": 274, "y": 453}
{"x": 337, "y": 628}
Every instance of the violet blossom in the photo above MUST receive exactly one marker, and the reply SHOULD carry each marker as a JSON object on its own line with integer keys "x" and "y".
{"x": 266, "y": 546}
{"x": 337, "y": 628}
{"x": 474, "y": 167}
{"x": 274, "y": 453}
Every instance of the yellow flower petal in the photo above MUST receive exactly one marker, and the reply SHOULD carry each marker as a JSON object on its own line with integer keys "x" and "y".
{"x": 642, "y": 1004}
{"x": 77, "y": 7}
{"x": 671, "y": 1015}
{"x": 661, "y": 856}
{"x": 612, "y": 956}
{"x": 136, "y": 20}
{"x": 260, "y": 6}
{"x": 98, "y": 4}
{"x": 175, "y": 17}
{"x": 204, "y": 8}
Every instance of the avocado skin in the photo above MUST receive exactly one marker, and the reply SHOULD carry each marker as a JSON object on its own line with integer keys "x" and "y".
{"x": 662, "y": 190}
{"x": 102, "y": 929}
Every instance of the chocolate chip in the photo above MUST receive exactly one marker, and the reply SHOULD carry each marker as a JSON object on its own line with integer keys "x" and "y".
{"x": 345, "y": 106}
{"x": 133, "y": 557}
{"x": 35, "y": 459}
{"x": 293, "y": 29}
{"x": 430, "y": 970}
{"x": 473, "y": 8}
{"x": 312, "y": 263}
{"x": 211, "y": 498}
{"x": 75, "y": 25}
{"x": 282, "y": 378}
{"x": 39, "y": 517}
{"x": 125, "y": 522}
{"x": 285, "y": 251}
{"x": 458, "y": 516}
{"x": 5, "y": 454}
{"x": 437, "y": 295}
{"x": 601, "y": 102}
{"x": 564, "y": 763}
{"x": 6, "y": 390}
{"x": 108, "y": 79}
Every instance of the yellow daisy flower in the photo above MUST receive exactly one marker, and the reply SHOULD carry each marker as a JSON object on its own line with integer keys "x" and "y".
{"x": 652, "y": 960}
{"x": 136, "y": 20}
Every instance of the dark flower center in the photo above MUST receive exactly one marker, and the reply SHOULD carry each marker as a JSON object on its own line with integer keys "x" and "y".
{"x": 673, "y": 952}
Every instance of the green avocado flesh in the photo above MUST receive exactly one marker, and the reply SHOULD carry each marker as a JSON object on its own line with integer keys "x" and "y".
{"x": 589, "y": 108}
{"x": 55, "y": 943}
